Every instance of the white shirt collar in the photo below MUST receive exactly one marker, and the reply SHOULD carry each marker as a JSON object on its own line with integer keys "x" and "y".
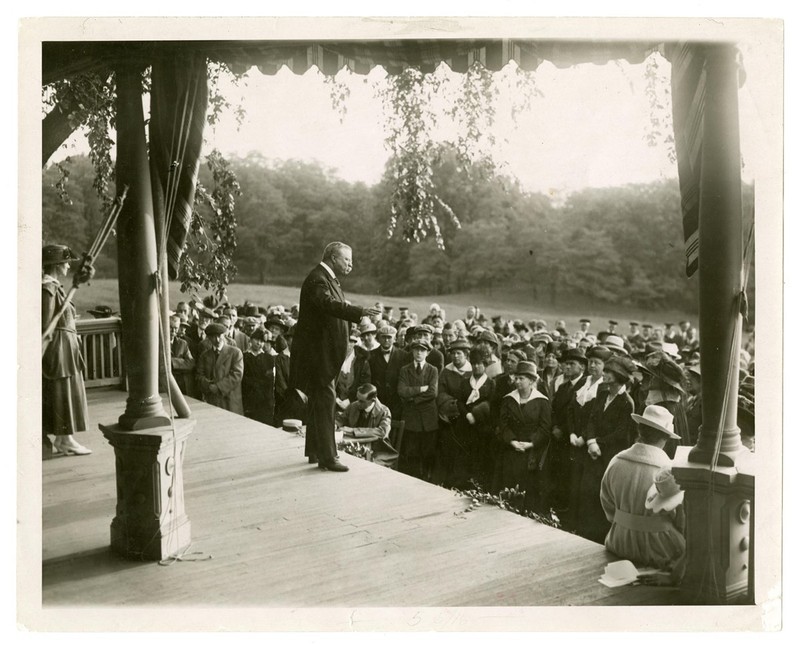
{"x": 328, "y": 269}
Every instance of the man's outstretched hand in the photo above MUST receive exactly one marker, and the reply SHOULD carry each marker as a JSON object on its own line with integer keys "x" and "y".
{"x": 372, "y": 311}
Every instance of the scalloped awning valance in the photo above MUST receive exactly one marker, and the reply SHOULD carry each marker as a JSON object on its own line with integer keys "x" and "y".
{"x": 61, "y": 60}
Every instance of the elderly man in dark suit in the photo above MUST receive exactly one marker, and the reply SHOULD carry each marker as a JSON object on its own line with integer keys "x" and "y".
{"x": 319, "y": 349}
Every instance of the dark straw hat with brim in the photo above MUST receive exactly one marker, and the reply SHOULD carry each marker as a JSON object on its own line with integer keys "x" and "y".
{"x": 527, "y": 368}
{"x": 56, "y": 254}
{"x": 670, "y": 373}
{"x": 489, "y": 337}
{"x": 277, "y": 321}
{"x": 621, "y": 366}
{"x": 600, "y": 353}
{"x": 574, "y": 354}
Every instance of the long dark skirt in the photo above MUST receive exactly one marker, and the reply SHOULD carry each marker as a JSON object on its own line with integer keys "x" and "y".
{"x": 64, "y": 408}
{"x": 512, "y": 469}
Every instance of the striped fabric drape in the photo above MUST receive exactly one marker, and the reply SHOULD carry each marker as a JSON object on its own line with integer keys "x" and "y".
{"x": 179, "y": 99}
{"x": 688, "y": 108}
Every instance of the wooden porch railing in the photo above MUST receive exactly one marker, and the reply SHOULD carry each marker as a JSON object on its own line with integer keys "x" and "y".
{"x": 101, "y": 344}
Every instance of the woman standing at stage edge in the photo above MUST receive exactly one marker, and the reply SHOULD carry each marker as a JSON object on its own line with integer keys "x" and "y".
{"x": 64, "y": 409}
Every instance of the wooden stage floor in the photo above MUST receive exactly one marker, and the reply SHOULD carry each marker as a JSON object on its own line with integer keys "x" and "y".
{"x": 284, "y": 534}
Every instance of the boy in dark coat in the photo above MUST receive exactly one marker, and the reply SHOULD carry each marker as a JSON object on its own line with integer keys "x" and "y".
{"x": 417, "y": 388}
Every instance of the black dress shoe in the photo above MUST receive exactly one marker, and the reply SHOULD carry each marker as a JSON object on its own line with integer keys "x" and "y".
{"x": 335, "y": 466}
{"x": 312, "y": 460}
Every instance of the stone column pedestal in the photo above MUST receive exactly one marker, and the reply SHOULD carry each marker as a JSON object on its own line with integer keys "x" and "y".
{"x": 720, "y": 526}
{"x": 150, "y": 523}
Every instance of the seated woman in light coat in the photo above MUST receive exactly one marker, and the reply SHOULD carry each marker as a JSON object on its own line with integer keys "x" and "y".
{"x": 641, "y": 499}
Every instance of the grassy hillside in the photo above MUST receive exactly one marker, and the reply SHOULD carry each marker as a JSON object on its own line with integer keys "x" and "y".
{"x": 509, "y": 303}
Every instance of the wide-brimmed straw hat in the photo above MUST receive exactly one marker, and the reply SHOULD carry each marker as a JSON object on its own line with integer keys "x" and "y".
{"x": 665, "y": 494}
{"x": 615, "y": 344}
{"x": 657, "y": 417}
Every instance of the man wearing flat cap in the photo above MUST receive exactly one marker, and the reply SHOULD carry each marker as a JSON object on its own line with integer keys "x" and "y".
{"x": 220, "y": 369}
{"x": 319, "y": 349}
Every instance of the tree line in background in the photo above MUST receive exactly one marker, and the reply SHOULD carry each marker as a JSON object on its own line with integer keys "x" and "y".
{"x": 620, "y": 244}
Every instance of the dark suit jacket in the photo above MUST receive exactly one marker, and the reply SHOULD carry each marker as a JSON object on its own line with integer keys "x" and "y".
{"x": 384, "y": 376}
{"x": 226, "y": 372}
{"x": 321, "y": 332}
{"x": 562, "y": 400}
{"x": 612, "y": 427}
{"x": 419, "y": 408}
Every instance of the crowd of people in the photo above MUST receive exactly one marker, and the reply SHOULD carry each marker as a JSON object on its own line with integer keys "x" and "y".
{"x": 582, "y": 424}
{"x": 574, "y": 420}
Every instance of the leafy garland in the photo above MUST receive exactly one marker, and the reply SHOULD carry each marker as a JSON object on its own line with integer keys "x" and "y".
{"x": 508, "y": 499}
{"x": 89, "y": 101}
{"x": 659, "y": 96}
{"x": 208, "y": 259}
{"x": 414, "y": 205}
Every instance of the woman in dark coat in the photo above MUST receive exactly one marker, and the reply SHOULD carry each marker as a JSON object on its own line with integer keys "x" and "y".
{"x": 258, "y": 382}
{"x": 477, "y": 421}
{"x": 547, "y": 383}
{"x": 525, "y": 428}
{"x": 607, "y": 433}
{"x": 64, "y": 408}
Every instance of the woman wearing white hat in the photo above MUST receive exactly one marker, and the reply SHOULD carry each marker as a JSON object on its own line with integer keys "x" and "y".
{"x": 642, "y": 500}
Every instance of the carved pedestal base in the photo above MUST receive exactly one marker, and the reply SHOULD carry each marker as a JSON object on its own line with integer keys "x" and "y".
{"x": 719, "y": 526}
{"x": 150, "y": 523}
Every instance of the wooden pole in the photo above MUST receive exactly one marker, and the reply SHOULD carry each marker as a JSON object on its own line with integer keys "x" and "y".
{"x": 720, "y": 258}
{"x": 136, "y": 248}
{"x": 719, "y": 486}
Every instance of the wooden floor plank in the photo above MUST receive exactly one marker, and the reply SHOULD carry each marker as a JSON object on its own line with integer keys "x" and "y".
{"x": 282, "y": 533}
